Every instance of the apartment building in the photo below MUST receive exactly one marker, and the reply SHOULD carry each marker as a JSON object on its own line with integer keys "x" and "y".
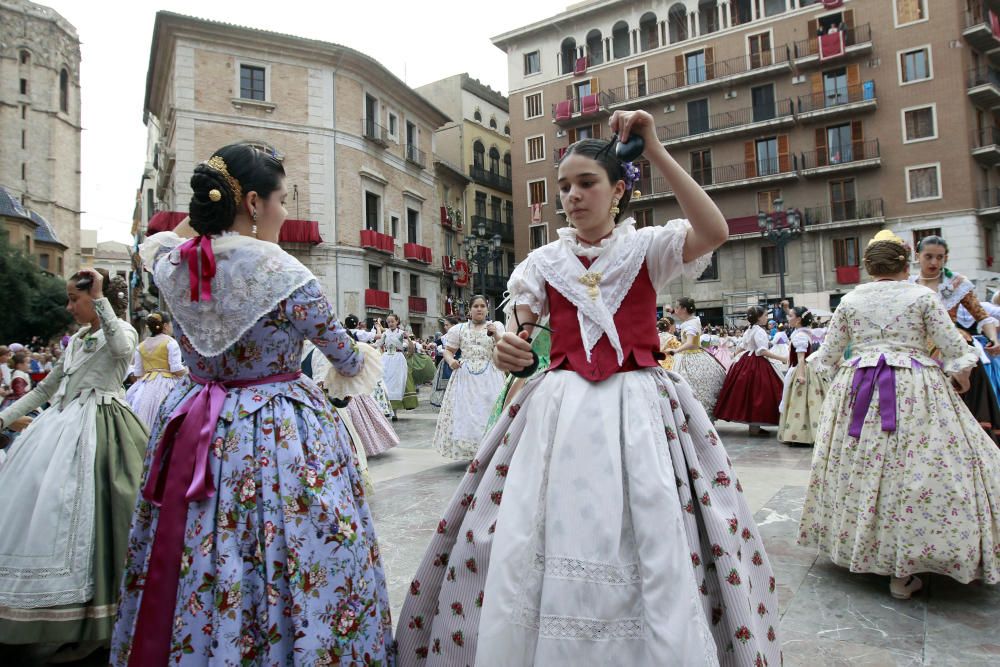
{"x": 856, "y": 115}
{"x": 363, "y": 202}
{"x": 477, "y": 142}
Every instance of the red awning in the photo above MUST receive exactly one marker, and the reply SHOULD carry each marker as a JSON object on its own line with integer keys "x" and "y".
{"x": 164, "y": 221}
{"x": 293, "y": 231}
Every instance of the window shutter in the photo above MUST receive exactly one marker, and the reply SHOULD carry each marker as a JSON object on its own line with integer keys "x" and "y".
{"x": 784, "y": 159}
{"x": 709, "y": 62}
{"x": 750, "y": 158}
{"x": 569, "y": 92}
{"x": 595, "y": 131}
{"x": 571, "y": 135}
{"x": 853, "y": 81}
{"x": 679, "y": 68}
{"x": 811, "y": 27}
{"x": 848, "y": 15}
{"x": 594, "y": 87}
{"x": 857, "y": 140}
{"x": 821, "y": 152}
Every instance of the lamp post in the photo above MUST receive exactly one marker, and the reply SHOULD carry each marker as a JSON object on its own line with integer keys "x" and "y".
{"x": 780, "y": 226}
{"x": 480, "y": 250}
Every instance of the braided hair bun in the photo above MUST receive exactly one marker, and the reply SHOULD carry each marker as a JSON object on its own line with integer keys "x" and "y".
{"x": 217, "y": 195}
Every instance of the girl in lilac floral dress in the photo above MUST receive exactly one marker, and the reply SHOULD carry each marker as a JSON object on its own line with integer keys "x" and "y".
{"x": 252, "y": 542}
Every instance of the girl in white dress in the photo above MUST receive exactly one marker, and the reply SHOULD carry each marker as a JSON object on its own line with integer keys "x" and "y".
{"x": 701, "y": 370}
{"x": 158, "y": 367}
{"x": 394, "y": 342}
{"x": 804, "y": 389}
{"x": 474, "y": 385}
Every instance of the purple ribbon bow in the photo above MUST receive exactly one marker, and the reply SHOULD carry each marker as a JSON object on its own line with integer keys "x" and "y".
{"x": 862, "y": 389}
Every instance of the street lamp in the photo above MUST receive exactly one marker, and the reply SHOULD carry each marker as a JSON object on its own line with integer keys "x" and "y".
{"x": 481, "y": 249}
{"x": 780, "y": 226}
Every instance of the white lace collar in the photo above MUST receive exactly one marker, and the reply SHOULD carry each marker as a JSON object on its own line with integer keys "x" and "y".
{"x": 568, "y": 236}
{"x": 950, "y": 290}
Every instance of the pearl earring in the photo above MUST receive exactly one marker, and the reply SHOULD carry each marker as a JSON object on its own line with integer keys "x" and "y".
{"x": 253, "y": 229}
{"x": 614, "y": 208}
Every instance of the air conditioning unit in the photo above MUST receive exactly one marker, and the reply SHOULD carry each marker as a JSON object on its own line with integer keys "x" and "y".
{"x": 670, "y": 108}
{"x": 560, "y": 134}
{"x": 730, "y": 94}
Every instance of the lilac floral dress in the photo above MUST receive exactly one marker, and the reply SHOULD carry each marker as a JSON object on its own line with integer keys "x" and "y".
{"x": 281, "y": 565}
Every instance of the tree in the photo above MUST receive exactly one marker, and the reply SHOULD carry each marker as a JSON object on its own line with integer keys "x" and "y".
{"x": 32, "y": 301}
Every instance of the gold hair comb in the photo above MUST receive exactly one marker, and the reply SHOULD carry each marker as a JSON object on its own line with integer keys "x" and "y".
{"x": 217, "y": 163}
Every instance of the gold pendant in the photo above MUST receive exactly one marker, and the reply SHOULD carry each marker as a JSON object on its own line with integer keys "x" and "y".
{"x": 592, "y": 280}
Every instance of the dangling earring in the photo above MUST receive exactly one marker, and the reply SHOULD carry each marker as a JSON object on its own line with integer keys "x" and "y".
{"x": 254, "y": 228}
{"x": 614, "y": 207}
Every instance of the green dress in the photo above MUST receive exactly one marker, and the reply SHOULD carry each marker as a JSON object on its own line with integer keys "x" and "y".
{"x": 542, "y": 345}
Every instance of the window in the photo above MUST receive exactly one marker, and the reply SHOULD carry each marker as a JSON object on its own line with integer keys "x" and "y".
{"x": 395, "y": 282}
{"x": 923, "y": 182}
{"x": 701, "y": 167}
{"x": 506, "y": 129}
{"x": 25, "y": 57}
{"x": 835, "y": 87}
{"x": 767, "y": 156}
{"x": 921, "y": 234}
{"x": 643, "y": 218}
{"x": 394, "y": 224}
{"x": 536, "y": 148}
{"x": 393, "y": 125}
{"x": 620, "y": 47}
{"x": 60, "y": 265}
{"x": 766, "y": 199}
{"x": 508, "y": 212}
{"x": 919, "y": 124}
{"x": 374, "y": 277}
{"x": 760, "y": 50}
{"x": 414, "y": 285}
{"x": 43, "y": 261}
{"x": 24, "y": 138}
{"x": 843, "y": 202}
{"x": 533, "y": 106}
{"x": 24, "y": 172}
{"x": 494, "y": 160}
{"x": 845, "y": 252}
{"x": 478, "y": 155}
{"x": 24, "y": 86}
{"x": 252, "y": 83}
{"x": 694, "y": 66}
{"x": 915, "y": 65}
{"x": 481, "y": 204}
{"x": 649, "y": 32}
{"x": 698, "y": 116}
{"x": 909, "y": 11}
{"x": 581, "y": 89}
{"x": 532, "y": 63}
{"x": 539, "y": 235}
{"x": 496, "y": 205}
{"x": 510, "y": 262}
{"x": 412, "y": 225}
{"x": 838, "y": 142}
{"x": 636, "y": 81}
{"x": 536, "y": 192}
{"x": 449, "y": 242}
{"x": 64, "y": 91}
{"x": 762, "y": 101}
{"x": 373, "y": 210}
{"x": 772, "y": 7}
{"x": 493, "y": 123}
{"x": 24, "y": 112}
{"x": 769, "y": 260}
{"x": 711, "y": 272}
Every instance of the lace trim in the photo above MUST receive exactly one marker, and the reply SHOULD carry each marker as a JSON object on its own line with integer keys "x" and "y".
{"x": 576, "y": 627}
{"x": 58, "y": 615}
{"x": 43, "y": 600}
{"x": 591, "y": 571}
{"x": 693, "y": 269}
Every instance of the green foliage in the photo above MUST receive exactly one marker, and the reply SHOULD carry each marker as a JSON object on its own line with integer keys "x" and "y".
{"x": 32, "y": 301}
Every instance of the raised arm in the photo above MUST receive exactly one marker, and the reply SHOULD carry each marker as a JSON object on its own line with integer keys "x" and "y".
{"x": 121, "y": 341}
{"x": 311, "y": 313}
{"x": 709, "y": 229}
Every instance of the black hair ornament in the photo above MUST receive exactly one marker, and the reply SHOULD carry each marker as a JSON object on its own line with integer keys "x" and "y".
{"x": 529, "y": 370}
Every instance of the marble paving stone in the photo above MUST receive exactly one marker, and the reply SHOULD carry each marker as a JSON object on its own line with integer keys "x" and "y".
{"x": 963, "y": 622}
{"x": 819, "y": 652}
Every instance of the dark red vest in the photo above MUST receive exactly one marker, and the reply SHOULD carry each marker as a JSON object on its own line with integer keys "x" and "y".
{"x": 636, "y": 324}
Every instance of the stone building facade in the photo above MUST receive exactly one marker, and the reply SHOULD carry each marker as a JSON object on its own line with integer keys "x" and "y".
{"x": 858, "y": 115}
{"x": 356, "y": 143}
{"x": 40, "y": 121}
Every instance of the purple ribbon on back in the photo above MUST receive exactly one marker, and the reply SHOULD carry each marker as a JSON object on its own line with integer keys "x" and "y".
{"x": 862, "y": 389}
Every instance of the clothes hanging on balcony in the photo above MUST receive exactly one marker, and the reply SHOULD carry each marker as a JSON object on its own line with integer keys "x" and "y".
{"x": 831, "y": 45}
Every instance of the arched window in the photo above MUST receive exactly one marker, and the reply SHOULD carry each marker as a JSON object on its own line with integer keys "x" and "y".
{"x": 708, "y": 16}
{"x": 677, "y": 22}
{"x": 478, "y": 154}
{"x": 493, "y": 123}
{"x": 506, "y": 129}
{"x": 64, "y": 91}
{"x": 595, "y": 47}
{"x": 506, "y": 164}
{"x": 494, "y": 160}
{"x": 477, "y": 116}
{"x": 649, "y": 32}
{"x": 619, "y": 40}
{"x": 25, "y": 57}
{"x": 567, "y": 55}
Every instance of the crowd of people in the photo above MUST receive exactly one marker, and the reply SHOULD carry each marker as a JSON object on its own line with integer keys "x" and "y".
{"x": 217, "y": 512}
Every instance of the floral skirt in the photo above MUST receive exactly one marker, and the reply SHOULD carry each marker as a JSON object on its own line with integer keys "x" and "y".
{"x": 801, "y": 407}
{"x": 670, "y": 570}
{"x": 374, "y": 430}
{"x": 704, "y": 374}
{"x": 922, "y": 498}
{"x": 281, "y": 566}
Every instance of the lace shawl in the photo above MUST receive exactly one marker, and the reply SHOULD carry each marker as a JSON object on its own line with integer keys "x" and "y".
{"x": 251, "y": 278}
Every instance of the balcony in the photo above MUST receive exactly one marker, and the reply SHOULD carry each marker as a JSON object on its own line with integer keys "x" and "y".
{"x": 557, "y": 154}
{"x": 416, "y": 304}
{"x": 494, "y": 226}
{"x": 448, "y": 264}
{"x": 742, "y": 174}
{"x": 984, "y": 87}
{"x": 839, "y": 102}
{"x": 490, "y": 179}
{"x": 376, "y": 299}
{"x": 416, "y": 156}
{"x": 447, "y": 218}
{"x": 986, "y": 146}
{"x": 374, "y": 132}
{"x": 740, "y": 69}
{"x": 848, "y": 275}
{"x": 375, "y": 241}
{"x": 845, "y": 214}
{"x": 415, "y": 252}
{"x": 748, "y": 120}
{"x": 586, "y": 106}
{"x": 853, "y": 41}
{"x": 989, "y": 204}
{"x": 835, "y": 159}
{"x": 979, "y": 29}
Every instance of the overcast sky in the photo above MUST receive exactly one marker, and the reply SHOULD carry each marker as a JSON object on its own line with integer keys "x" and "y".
{"x": 418, "y": 40}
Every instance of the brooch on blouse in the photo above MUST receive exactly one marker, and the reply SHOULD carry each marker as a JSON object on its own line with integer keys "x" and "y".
{"x": 89, "y": 343}
{"x": 591, "y": 280}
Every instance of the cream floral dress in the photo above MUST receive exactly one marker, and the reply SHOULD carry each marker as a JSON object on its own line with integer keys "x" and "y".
{"x": 918, "y": 488}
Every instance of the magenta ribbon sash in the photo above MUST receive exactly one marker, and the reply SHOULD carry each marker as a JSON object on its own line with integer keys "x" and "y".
{"x": 201, "y": 276}
{"x": 862, "y": 389}
{"x": 179, "y": 474}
